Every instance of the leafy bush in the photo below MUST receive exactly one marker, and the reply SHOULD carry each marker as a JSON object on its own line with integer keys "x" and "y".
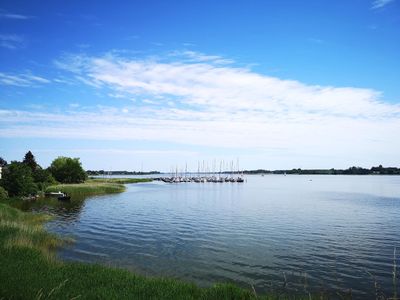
{"x": 67, "y": 170}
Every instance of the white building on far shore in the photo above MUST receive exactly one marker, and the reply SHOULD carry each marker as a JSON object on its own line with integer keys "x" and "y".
{"x": 0, "y": 172}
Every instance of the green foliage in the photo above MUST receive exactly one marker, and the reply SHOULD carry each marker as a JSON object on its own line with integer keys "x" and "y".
{"x": 67, "y": 170}
{"x": 2, "y": 162}
{"x": 18, "y": 180}
{"x": 30, "y": 161}
{"x": 43, "y": 178}
{"x": 3, "y": 193}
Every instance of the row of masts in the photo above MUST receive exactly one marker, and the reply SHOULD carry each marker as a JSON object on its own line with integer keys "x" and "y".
{"x": 206, "y": 174}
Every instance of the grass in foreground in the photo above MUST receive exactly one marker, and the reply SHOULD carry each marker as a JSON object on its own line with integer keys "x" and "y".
{"x": 28, "y": 272}
{"x": 18, "y": 229}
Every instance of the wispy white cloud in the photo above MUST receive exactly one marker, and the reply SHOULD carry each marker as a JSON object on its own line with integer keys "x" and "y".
{"x": 13, "y": 16}
{"x": 64, "y": 81}
{"x": 22, "y": 80}
{"x": 380, "y": 3}
{"x": 210, "y": 104}
{"x": 117, "y": 151}
{"x": 12, "y": 41}
{"x": 329, "y": 137}
{"x": 193, "y": 56}
{"x": 208, "y": 86}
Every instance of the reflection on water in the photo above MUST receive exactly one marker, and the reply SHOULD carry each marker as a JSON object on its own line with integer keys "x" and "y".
{"x": 317, "y": 231}
{"x": 65, "y": 212}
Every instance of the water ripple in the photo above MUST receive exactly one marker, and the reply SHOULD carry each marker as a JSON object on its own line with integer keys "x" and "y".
{"x": 325, "y": 234}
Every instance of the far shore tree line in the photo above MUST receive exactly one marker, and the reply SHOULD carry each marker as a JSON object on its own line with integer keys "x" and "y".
{"x": 380, "y": 170}
{"x": 28, "y": 178}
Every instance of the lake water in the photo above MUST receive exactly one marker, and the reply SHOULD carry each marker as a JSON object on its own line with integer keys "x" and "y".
{"x": 320, "y": 232}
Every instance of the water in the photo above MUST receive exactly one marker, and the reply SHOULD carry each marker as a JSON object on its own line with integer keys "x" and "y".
{"x": 320, "y": 232}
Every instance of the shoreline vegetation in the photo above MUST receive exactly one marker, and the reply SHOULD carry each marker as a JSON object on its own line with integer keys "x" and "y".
{"x": 95, "y": 186}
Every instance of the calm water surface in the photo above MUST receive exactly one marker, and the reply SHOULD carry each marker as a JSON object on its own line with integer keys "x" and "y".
{"x": 321, "y": 232}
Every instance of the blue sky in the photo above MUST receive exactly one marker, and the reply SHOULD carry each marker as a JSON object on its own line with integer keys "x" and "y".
{"x": 278, "y": 84}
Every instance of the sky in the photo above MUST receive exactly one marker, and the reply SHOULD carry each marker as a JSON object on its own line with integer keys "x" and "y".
{"x": 151, "y": 85}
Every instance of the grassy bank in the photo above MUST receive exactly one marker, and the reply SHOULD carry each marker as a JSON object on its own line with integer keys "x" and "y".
{"x": 95, "y": 186}
{"x": 28, "y": 270}
{"x": 87, "y": 188}
{"x": 19, "y": 229}
{"x": 119, "y": 180}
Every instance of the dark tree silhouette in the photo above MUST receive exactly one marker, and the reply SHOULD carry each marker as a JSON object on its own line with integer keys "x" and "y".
{"x": 30, "y": 161}
{"x": 2, "y": 162}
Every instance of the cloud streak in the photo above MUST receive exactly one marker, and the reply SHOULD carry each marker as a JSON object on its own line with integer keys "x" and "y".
{"x": 22, "y": 80}
{"x": 205, "y": 85}
{"x": 13, "y": 16}
{"x": 380, "y": 3}
{"x": 205, "y": 103}
{"x": 12, "y": 41}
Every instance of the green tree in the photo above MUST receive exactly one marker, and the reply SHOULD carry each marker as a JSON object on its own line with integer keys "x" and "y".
{"x": 3, "y": 163}
{"x": 43, "y": 178}
{"x": 18, "y": 180}
{"x": 67, "y": 170}
{"x": 30, "y": 161}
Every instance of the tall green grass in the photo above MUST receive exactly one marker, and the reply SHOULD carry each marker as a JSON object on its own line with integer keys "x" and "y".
{"x": 87, "y": 188}
{"x": 120, "y": 180}
{"x": 95, "y": 186}
{"x": 19, "y": 229}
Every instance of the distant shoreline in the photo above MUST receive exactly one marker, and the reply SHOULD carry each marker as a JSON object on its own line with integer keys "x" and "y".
{"x": 350, "y": 171}
{"x": 380, "y": 170}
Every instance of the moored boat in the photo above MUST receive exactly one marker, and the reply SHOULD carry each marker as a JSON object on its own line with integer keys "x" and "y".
{"x": 65, "y": 197}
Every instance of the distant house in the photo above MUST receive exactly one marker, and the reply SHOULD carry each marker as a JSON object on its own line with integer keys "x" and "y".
{"x": 0, "y": 171}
